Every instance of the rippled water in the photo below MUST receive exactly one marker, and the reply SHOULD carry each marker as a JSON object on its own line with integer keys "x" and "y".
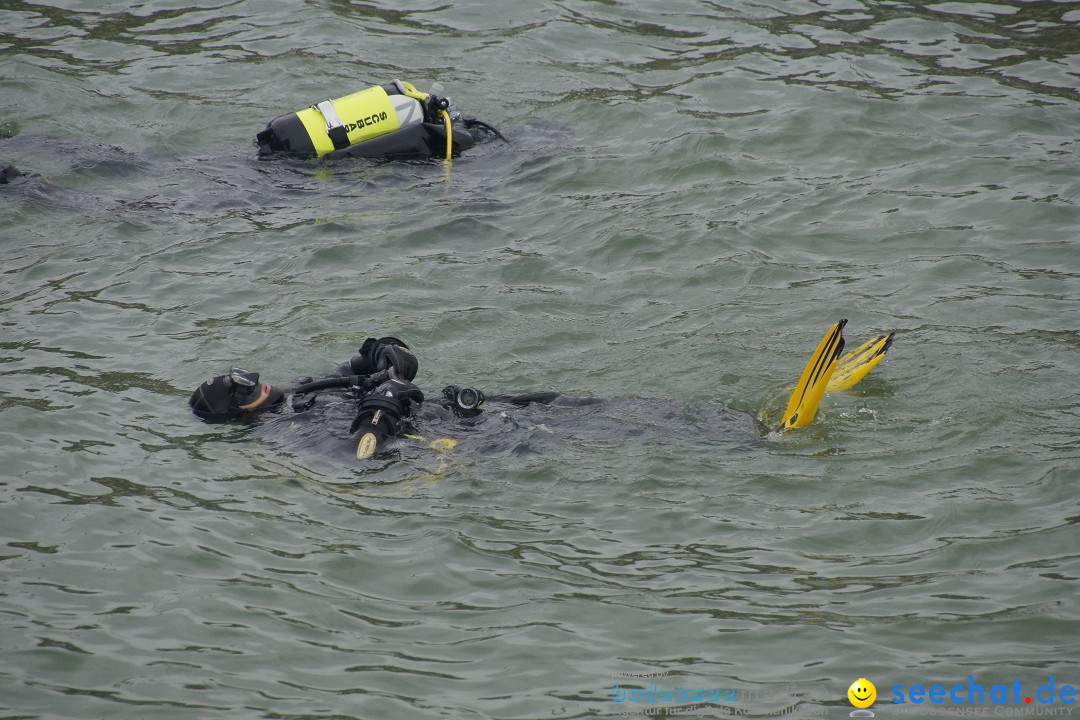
{"x": 695, "y": 192}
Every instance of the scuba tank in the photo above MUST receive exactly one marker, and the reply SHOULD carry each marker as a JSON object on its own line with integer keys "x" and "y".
{"x": 385, "y": 121}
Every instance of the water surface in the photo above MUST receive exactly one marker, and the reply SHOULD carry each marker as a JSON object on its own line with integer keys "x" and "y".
{"x": 696, "y": 190}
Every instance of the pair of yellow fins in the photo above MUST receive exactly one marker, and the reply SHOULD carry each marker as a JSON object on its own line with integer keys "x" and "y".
{"x": 827, "y": 371}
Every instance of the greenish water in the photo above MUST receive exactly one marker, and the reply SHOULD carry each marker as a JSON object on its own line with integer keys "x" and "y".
{"x": 695, "y": 192}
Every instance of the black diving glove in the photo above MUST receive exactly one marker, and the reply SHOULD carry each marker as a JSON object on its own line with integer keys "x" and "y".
{"x": 381, "y": 412}
{"x": 377, "y": 355}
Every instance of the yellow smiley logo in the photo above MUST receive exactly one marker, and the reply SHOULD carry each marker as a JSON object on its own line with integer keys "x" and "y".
{"x": 862, "y": 693}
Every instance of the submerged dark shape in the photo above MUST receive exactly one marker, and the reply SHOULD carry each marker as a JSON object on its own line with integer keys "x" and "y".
{"x": 84, "y": 177}
{"x": 394, "y": 120}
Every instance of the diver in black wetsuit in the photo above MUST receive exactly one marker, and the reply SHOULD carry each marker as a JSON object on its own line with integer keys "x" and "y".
{"x": 388, "y": 405}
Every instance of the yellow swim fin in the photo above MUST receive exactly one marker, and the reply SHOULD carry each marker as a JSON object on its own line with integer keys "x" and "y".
{"x": 804, "y": 402}
{"x": 853, "y": 367}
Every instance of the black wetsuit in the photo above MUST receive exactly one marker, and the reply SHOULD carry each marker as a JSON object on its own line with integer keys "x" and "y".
{"x": 511, "y": 424}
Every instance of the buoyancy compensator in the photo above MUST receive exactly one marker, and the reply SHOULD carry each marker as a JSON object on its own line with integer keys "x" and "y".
{"x": 384, "y": 121}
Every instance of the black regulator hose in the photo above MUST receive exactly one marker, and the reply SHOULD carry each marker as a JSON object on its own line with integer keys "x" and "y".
{"x": 364, "y": 382}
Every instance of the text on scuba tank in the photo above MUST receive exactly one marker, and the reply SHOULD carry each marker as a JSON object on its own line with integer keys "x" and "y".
{"x": 365, "y": 121}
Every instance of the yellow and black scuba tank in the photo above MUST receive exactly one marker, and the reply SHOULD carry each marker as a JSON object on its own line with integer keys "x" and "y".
{"x": 384, "y": 121}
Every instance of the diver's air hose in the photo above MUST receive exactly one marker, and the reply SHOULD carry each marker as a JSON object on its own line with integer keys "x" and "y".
{"x": 364, "y": 382}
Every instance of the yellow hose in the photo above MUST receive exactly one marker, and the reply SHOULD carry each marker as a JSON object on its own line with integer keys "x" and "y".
{"x": 449, "y": 133}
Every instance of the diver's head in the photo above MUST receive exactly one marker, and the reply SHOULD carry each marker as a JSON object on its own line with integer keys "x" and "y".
{"x": 463, "y": 401}
{"x": 228, "y": 396}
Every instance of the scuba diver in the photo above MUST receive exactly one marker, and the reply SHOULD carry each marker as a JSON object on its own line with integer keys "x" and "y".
{"x": 388, "y": 121}
{"x": 394, "y": 121}
{"x": 389, "y": 407}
